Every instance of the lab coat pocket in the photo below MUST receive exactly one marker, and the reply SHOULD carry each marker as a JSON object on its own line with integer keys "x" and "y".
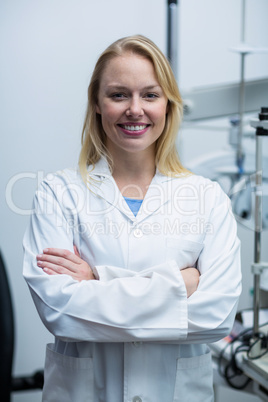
{"x": 67, "y": 378}
{"x": 184, "y": 252}
{"x": 194, "y": 379}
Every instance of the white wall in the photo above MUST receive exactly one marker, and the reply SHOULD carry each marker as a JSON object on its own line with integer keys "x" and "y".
{"x": 47, "y": 50}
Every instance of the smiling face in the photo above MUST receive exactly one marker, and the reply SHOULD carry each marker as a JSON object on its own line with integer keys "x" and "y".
{"x": 132, "y": 105}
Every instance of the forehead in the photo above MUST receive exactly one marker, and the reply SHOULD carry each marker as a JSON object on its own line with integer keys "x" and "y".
{"x": 129, "y": 68}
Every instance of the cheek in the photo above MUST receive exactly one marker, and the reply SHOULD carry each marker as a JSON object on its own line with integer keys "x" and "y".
{"x": 159, "y": 115}
{"x": 109, "y": 113}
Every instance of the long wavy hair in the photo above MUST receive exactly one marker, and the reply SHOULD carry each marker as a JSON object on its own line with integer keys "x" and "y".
{"x": 93, "y": 136}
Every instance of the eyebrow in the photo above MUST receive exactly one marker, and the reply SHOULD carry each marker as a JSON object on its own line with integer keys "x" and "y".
{"x": 122, "y": 87}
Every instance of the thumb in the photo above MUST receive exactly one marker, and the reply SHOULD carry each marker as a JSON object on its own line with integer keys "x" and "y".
{"x": 76, "y": 251}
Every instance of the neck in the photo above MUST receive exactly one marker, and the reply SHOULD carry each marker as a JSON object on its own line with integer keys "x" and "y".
{"x": 133, "y": 166}
{"x": 133, "y": 174}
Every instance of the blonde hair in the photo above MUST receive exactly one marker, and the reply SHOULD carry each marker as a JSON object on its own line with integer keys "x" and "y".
{"x": 93, "y": 135}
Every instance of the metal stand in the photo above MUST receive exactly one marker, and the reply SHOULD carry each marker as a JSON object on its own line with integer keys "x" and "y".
{"x": 172, "y": 35}
{"x": 240, "y": 153}
{"x": 261, "y": 126}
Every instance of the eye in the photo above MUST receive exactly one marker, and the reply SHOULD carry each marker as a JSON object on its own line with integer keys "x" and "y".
{"x": 151, "y": 95}
{"x": 118, "y": 96}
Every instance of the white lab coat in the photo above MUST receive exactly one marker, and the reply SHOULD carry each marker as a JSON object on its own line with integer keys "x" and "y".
{"x": 133, "y": 335}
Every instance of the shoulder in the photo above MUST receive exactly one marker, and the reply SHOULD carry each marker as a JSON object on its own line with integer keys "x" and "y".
{"x": 197, "y": 183}
{"x": 64, "y": 176}
{"x": 61, "y": 181}
{"x": 62, "y": 189}
{"x": 199, "y": 189}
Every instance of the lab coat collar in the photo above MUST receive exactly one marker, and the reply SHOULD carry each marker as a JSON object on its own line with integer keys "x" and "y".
{"x": 159, "y": 191}
{"x": 101, "y": 168}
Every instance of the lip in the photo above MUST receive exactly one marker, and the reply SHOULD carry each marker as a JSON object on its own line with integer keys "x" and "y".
{"x": 132, "y": 132}
{"x": 133, "y": 123}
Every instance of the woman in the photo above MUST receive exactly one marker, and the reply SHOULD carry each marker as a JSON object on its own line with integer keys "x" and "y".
{"x": 132, "y": 261}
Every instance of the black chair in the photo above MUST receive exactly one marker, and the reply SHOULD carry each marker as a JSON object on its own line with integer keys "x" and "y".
{"x": 8, "y": 383}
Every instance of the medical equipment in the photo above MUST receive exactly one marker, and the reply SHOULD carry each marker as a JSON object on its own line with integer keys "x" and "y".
{"x": 243, "y": 49}
{"x": 261, "y": 126}
{"x": 234, "y": 168}
{"x": 252, "y": 342}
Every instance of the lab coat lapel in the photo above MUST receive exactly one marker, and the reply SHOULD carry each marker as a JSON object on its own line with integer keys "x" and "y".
{"x": 105, "y": 187}
{"x": 109, "y": 191}
{"x": 159, "y": 193}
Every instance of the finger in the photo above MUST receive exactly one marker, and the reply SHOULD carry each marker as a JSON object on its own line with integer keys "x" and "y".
{"x": 50, "y": 271}
{"x": 66, "y": 254}
{"x": 54, "y": 261}
{"x": 55, "y": 271}
{"x": 53, "y": 268}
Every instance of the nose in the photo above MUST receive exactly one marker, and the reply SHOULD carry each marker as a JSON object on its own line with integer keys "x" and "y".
{"x": 135, "y": 107}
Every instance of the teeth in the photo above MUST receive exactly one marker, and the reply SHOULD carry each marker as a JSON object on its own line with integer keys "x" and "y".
{"x": 134, "y": 128}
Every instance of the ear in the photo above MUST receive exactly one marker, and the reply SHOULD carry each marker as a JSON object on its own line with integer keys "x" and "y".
{"x": 98, "y": 109}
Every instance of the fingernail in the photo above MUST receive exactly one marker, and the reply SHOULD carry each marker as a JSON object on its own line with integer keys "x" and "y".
{"x": 45, "y": 250}
{"x": 39, "y": 256}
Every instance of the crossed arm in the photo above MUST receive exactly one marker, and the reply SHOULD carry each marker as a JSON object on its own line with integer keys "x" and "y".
{"x": 55, "y": 261}
{"x": 206, "y": 316}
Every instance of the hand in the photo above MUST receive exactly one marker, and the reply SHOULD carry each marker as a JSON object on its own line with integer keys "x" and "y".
{"x": 56, "y": 261}
{"x": 191, "y": 279}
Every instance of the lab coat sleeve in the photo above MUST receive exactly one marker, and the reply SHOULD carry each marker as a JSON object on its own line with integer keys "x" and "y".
{"x": 212, "y": 308}
{"x": 150, "y": 305}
